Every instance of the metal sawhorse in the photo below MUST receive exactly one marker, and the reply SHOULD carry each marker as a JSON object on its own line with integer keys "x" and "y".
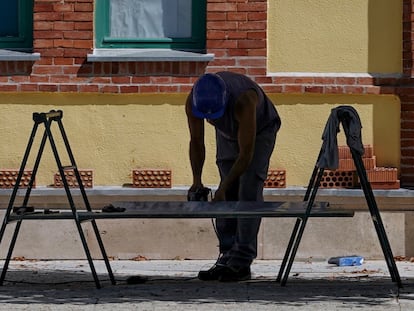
{"x": 47, "y": 119}
{"x": 352, "y": 128}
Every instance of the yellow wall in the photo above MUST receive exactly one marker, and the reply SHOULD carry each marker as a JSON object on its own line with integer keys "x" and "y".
{"x": 358, "y": 36}
{"x": 304, "y": 118}
{"x": 114, "y": 134}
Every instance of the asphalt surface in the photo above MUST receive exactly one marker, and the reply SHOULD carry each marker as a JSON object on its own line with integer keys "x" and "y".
{"x": 173, "y": 285}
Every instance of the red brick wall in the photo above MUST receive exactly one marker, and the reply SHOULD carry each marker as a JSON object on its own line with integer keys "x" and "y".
{"x": 63, "y": 35}
{"x": 405, "y": 90}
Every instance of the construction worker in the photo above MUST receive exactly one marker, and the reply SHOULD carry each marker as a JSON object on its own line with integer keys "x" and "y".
{"x": 246, "y": 123}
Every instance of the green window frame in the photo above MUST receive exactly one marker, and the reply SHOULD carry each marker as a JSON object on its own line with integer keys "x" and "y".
{"x": 21, "y": 38}
{"x": 196, "y": 42}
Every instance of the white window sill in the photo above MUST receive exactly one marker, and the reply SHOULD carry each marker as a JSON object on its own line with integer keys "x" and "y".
{"x": 146, "y": 55}
{"x": 7, "y": 55}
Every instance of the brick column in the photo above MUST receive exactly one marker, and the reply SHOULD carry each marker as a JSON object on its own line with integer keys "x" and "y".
{"x": 406, "y": 92}
{"x": 63, "y": 35}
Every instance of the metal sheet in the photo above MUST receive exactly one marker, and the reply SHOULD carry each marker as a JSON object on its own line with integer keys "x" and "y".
{"x": 194, "y": 209}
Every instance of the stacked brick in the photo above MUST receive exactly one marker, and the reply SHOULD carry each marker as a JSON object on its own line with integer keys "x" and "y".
{"x": 151, "y": 178}
{"x": 8, "y": 179}
{"x": 346, "y": 176}
{"x": 384, "y": 178}
{"x": 85, "y": 175}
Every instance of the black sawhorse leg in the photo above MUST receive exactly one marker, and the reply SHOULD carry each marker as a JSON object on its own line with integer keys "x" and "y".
{"x": 299, "y": 227}
{"x": 376, "y": 218}
{"x": 47, "y": 119}
{"x": 350, "y": 121}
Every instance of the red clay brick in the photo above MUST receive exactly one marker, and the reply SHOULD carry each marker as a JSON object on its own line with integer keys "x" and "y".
{"x": 47, "y": 35}
{"x": 275, "y": 179}
{"x": 256, "y": 34}
{"x": 257, "y": 16}
{"x": 8, "y": 87}
{"x": 19, "y": 79}
{"x": 49, "y": 16}
{"x": 169, "y": 88}
{"x": 345, "y": 153}
{"x": 42, "y": 7}
{"x": 43, "y": 25}
{"x": 338, "y": 179}
{"x": 77, "y": 16}
{"x": 238, "y": 52}
{"x": 128, "y": 89}
{"x": 86, "y": 176}
{"x": 353, "y": 90}
{"x": 8, "y": 178}
{"x": 348, "y": 164}
{"x": 292, "y": 89}
{"x": 48, "y": 88}
{"x": 252, "y": 6}
{"x": 64, "y": 43}
{"x": 333, "y": 89}
{"x": 252, "y": 62}
{"x": 313, "y": 89}
{"x": 221, "y": 7}
{"x": 151, "y": 178}
{"x": 148, "y": 88}
{"x": 88, "y": 88}
{"x": 251, "y": 44}
{"x": 223, "y": 44}
{"x": 47, "y": 70}
{"x": 69, "y": 88}
{"x": 121, "y": 80}
{"x": 63, "y": 7}
{"x": 38, "y": 78}
{"x": 109, "y": 89}
{"x": 382, "y": 174}
{"x": 237, "y": 16}
{"x": 386, "y": 185}
{"x": 77, "y": 52}
{"x": 249, "y": 26}
{"x": 222, "y": 25}
{"x": 272, "y": 88}
{"x": 345, "y": 80}
{"x": 83, "y": 25}
{"x": 216, "y": 16}
{"x": 83, "y": 7}
{"x": 60, "y": 61}
{"x": 85, "y": 35}
{"x": 29, "y": 87}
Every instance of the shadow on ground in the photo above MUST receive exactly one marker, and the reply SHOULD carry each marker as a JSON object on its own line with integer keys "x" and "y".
{"x": 63, "y": 287}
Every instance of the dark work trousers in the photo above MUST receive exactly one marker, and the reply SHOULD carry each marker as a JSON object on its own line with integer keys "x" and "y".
{"x": 238, "y": 236}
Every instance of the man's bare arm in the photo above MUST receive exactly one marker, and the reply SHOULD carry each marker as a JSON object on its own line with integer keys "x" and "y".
{"x": 197, "y": 150}
{"x": 245, "y": 114}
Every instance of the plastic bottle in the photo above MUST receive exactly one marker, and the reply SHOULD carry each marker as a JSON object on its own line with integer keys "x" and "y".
{"x": 353, "y": 260}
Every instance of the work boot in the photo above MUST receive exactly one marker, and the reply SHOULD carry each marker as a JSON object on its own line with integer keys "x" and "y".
{"x": 211, "y": 274}
{"x": 235, "y": 274}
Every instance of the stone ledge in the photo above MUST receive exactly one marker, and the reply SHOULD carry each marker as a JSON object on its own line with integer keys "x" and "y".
{"x": 7, "y": 55}
{"x": 182, "y": 190}
{"x": 389, "y": 200}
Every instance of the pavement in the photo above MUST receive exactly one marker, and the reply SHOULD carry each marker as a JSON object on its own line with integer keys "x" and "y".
{"x": 173, "y": 285}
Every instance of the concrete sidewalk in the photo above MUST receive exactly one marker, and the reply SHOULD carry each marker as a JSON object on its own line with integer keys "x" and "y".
{"x": 173, "y": 285}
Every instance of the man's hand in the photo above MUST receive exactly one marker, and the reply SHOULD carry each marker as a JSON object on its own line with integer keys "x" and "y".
{"x": 198, "y": 194}
{"x": 219, "y": 195}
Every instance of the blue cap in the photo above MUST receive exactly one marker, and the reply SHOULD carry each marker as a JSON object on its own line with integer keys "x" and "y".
{"x": 209, "y": 97}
